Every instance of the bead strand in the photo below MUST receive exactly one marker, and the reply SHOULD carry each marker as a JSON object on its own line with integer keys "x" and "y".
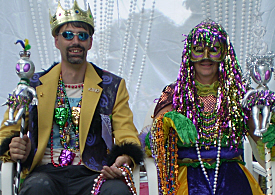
{"x": 74, "y": 86}
{"x": 43, "y": 37}
{"x": 216, "y": 11}
{"x": 127, "y": 36}
{"x": 52, "y": 160}
{"x": 226, "y": 15}
{"x": 220, "y": 4}
{"x": 109, "y": 19}
{"x": 104, "y": 40}
{"x": 233, "y": 26}
{"x": 203, "y": 9}
{"x": 128, "y": 177}
{"x": 145, "y": 51}
{"x": 217, "y": 165}
{"x": 242, "y": 52}
{"x": 208, "y": 10}
{"x": 36, "y": 30}
{"x": 101, "y": 35}
{"x": 97, "y": 185}
{"x": 95, "y": 20}
{"x": 249, "y": 21}
{"x": 56, "y": 55}
{"x": 136, "y": 45}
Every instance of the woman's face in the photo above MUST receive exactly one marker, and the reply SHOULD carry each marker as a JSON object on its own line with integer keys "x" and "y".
{"x": 206, "y": 71}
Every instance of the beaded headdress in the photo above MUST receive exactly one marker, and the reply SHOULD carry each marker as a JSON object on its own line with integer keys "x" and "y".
{"x": 231, "y": 86}
{"x": 63, "y": 16}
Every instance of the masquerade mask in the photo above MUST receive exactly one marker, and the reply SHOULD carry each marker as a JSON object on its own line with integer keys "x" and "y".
{"x": 201, "y": 51}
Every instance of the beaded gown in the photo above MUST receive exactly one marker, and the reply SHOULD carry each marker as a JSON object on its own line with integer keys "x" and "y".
{"x": 232, "y": 176}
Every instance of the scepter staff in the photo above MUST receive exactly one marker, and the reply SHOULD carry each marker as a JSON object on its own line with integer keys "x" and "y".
{"x": 18, "y": 165}
{"x": 20, "y": 99}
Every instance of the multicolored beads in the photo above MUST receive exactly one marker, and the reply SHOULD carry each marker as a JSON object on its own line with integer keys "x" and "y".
{"x": 66, "y": 120}
{"x": 165, "y": 153}
{"x": 128, "y": 177}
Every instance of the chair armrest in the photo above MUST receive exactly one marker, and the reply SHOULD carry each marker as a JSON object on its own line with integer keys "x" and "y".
{"x": 7, "y": 177}
{"x": 152, "y": 175}
{"x": 248, "y": 158}
{"x": 136, "y": 176}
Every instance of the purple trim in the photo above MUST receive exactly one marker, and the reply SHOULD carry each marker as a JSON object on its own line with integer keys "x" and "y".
{"x": 107, "y": 130}
{"x": 191, "y": 153}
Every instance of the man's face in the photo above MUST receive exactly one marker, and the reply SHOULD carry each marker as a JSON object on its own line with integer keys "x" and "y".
{"x": 75, "y": 50}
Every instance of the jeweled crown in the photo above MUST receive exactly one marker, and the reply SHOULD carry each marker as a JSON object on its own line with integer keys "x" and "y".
{"x": 62, "y": 16}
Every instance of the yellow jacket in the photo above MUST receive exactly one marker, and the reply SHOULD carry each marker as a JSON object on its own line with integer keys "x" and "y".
{"x": 122, "y": 117}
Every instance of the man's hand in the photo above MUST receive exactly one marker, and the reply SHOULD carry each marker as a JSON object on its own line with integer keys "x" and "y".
{"x": 20, "y": 148}
{"x": 113, "y": 171}
{"x": 34, "y": 101}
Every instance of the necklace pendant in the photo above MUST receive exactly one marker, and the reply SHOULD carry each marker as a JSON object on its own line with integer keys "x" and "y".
{"x": 76, "y": 115}
{"x": 65, "y": 138}
{"x": 66, "y": 157}
{"x": 61, "y": 116}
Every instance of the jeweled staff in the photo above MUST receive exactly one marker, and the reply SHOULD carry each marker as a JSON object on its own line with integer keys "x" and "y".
{"x": 21, "y": 97}
{"x": 261, "y": 100}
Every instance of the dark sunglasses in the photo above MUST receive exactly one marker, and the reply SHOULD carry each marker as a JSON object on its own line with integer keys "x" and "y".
{"x": 83, "y": 36}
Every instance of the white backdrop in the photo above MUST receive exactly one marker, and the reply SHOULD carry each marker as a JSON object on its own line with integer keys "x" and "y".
{"x": 140, "y": 40}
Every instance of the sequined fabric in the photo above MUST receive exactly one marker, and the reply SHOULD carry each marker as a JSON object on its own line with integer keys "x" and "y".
{"x": 166, "y": 98}
{"x": 208, "y": 102}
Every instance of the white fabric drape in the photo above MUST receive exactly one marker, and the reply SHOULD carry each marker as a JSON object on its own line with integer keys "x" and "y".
{"x": 150, "y": 57}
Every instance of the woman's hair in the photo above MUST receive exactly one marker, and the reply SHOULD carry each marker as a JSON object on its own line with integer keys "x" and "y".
{"x": 231, "y": 88}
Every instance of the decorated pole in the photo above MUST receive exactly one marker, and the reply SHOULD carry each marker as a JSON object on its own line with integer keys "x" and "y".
{"x": 261, "y": 101}
{"x": 21, "y": 97}
{"x": 18, "y": 166}
{"x": 268, "y": 170}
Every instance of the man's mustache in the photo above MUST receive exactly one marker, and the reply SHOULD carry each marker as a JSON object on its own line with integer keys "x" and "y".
{"x": 76, "y": 46}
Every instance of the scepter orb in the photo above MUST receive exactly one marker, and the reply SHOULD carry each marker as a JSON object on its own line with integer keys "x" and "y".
{"x": 23, "y": 95}
{"x": 261, "y": 99}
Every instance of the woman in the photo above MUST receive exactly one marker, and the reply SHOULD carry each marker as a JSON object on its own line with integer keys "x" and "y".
{"x": 196, "y": 137}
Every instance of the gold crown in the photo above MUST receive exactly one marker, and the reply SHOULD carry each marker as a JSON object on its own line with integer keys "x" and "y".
{"x": 62, "y": 16}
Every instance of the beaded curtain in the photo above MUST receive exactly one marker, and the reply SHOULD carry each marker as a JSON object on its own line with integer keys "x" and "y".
{"x": 139, "y": 40}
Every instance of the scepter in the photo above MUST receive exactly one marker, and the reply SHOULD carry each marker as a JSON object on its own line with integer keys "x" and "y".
{"x": 21, "y": 97}
{"x": 261, "y": 100}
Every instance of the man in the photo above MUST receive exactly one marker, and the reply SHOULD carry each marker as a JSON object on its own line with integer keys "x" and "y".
{"x": 201, "y": 120}
{"x": 81, "y": 108}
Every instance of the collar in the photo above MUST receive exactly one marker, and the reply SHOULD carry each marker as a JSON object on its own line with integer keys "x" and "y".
{"x": 206, "y": 89}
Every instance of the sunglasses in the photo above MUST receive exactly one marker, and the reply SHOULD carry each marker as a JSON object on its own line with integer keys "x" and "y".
{"x": 83, "y": 36}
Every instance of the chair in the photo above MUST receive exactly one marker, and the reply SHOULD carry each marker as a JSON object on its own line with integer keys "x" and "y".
{"x": 256, "y": 168}
{"x": 7, "y": 178}
{"x": 8, "y": 173}
{"x": 152, "y": 175}
{"x": 136, "y": 176}
{"x": 149, "y": 162}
